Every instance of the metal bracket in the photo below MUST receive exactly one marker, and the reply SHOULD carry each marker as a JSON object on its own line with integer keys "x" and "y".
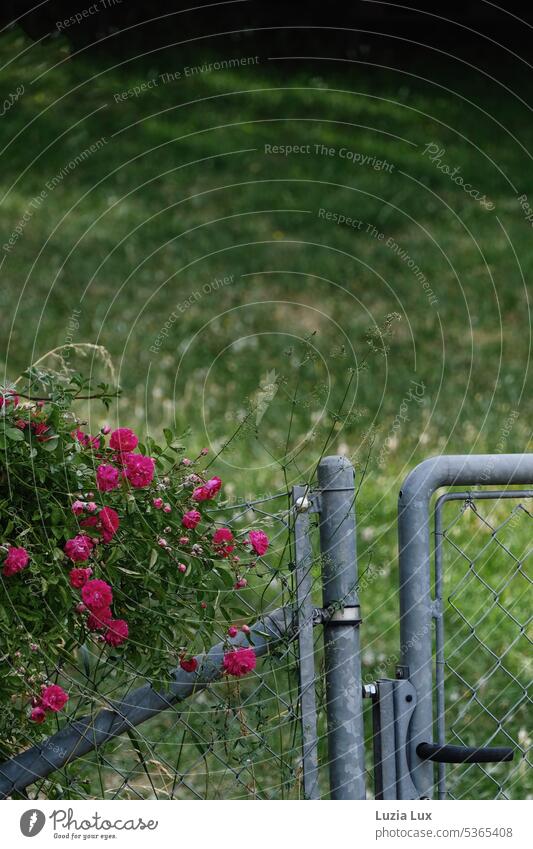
{"x": 349, "y": 615}
{"x": 392, "y": 709}
{"x": 310, "y": 502}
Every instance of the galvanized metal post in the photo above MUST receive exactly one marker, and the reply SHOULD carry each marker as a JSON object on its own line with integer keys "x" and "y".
{"x": 341, "y": 631}
{"x": 303, "y": 555}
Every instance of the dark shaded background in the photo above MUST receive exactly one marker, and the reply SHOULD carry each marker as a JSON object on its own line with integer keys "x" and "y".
{"x": 383, "y": 29}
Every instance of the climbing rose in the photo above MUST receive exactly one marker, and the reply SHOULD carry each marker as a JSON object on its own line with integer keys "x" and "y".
{"x": 259, "y": 541}
{"x": 38, "y": 715}
{"x": 139, "y": 469}
{"x": 99, "y": 619}
{"x": 117, "y": 632}
{"x": 222, "y": 540}
{"x": 207, "y": 490}
{"x": 17, "y": 559}
{"x": 79, "y": 548}
{"x": 239, "y": 662}
{"x": 108, "y": 523}
{"x": 79, "y": 577}
{"x": 191, "y": 519}
{"x": 77, "y": 507}
{"x": 97, "y": 594}
{"x": 232, "y": 631}
{"x": 53, "y": 697}
{"x": 85, "y": 439}
{"x": 190, "y": 665}
{"x": 107, "y": 478}
{"x": 123, "y": 439}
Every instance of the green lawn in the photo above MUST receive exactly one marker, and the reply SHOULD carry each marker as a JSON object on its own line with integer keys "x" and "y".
{"x": 214, "y": 270}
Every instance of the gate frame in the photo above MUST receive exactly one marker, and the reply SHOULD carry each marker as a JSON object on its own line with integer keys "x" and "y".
{"x": 417, "y": 607}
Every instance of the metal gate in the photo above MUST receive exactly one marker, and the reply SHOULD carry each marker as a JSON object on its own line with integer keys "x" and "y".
{"x": 461, "y": 695}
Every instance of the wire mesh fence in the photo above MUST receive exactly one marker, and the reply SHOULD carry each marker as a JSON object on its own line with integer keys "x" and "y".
{"x": 484, "y": 660}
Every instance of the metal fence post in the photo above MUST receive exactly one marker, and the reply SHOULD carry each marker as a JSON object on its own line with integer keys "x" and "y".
{"x": 341, "y": 630}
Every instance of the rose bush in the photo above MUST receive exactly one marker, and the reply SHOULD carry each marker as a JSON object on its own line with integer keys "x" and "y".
{"x": 105, "y": 541}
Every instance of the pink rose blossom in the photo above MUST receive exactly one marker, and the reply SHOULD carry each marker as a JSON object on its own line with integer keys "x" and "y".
{"x": 139, "y": 470}
{"x": 123, "y": 439}
{"x": 105, "y": 429}
{"x": 79, "y": 548}
{"x": 239, "y": 662}
{"x": 190, "y": 665}
{"x": 186, "y": 462}
{"x": 167, "y": 508}
{"x": 108, "y": 523}
{"x": 97, "y": 594}
{"x": 16, "y": 560}
{"x": 79, "y": 577}
{"x": 204, "y": 451}
{"x": 53, "y": 697}
{"x": 117, "y": 632}
{"x": 107, "y": 478}
{"x": 183, "y": 540}
{"x": 245, "y": 629}
{"x": 208, "y": 490}
{"x": 80, "y": 608}
{"x": 85, "y": 439}
{"x": 157, "y": 503}
{"x": 240, "y": 584}
{"x": 77, "y": 507}
{"x": 223, "y": 541}
{"x": 259, "y": 541}
{"x": 191, "y": 519}
{"x": 38, "y": 714}
{"x": 232, "y": 631}
{"x": 182, "y": 567}
{"x": 99, "y": 619}
{"x": 91, "y": 507}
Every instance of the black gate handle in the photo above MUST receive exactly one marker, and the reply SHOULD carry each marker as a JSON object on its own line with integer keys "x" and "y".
{"x": 464, "y": 754}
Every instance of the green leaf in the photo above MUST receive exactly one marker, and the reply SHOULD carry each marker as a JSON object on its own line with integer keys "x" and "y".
{"x": 14, "y": 433}
{"x": 51, "y": 444}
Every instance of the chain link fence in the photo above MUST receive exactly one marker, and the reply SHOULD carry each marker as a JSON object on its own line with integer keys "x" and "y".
{"x": 483, "y": 556}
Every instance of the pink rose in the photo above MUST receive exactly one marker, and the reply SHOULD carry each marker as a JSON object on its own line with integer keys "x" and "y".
{"x": 53, "y": 697}
{"x": 240, "y": 584}
{"x": 79, "y": 548}
{"x": 239, "y": 662}
{"x": 77, "y": 507}
{"x": 107, "y": 478}
{"x": 208, "y": 490}
{"x": 97, "y": 594}
{"x": 123, "y": 439}
{"x": 16, "y": 560}
{"x": 233, "y": 631}
{"x": 259, "y": 541}
{"x": 99, "y": 619}
{"x": 38, "y": 714}
{"x": 139, "y": 470}
{"x": 108, "y": 523}
{"x": 190, "y": 665}
{"x": 157, "y": 503}
{"x": 79, "y": 577}
{"x": 191, "y": 519}
{"x": 85, "y": 439}
{"x": 117, "y": 632}
{"x": 223, "y": 541}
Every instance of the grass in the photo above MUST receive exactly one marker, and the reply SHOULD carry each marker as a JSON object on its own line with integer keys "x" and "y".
{"x": 125, "y": 247}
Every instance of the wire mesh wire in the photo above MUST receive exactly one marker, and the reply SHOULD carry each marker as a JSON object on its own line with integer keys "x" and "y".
{"x": 484, "y": 552}
{"x": 236, "y": 739}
